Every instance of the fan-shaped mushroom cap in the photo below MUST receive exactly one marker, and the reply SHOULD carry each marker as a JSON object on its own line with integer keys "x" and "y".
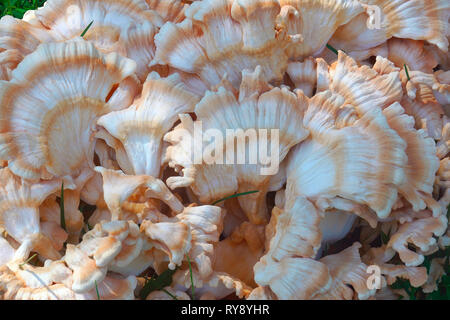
{"x": 118, "y": 187}
{"x": 422, "y": 160}
{"x": 51, "y": 282}
{"x": 293, "y": 278}
{"x": 412, "y": 53}
{"x": 363, "y": 87}
{"x": 196, "y": 45}
{"x": 18, "y": 39}
{"x": 140, "y": 128}
{"x": 68, "y": 19}
{"x": 127, "y": 27}
{"x": 119, "y": 158}
{"x": 417, "y": 20}
{"x": 311, "y": 75}
{"x": 174, "y": 239}
{"x": 426, "y": 87}
{"x": 169, "y": 10}
{"x": 293, "y": 238}
{"x": 103, "y": 248}
{"x": 344, "y": 163}
{"x": 346, "y": 269}
{"x": 192, "y": 232}
{"x": 131, "y": 247}
{"x": 442, "y": 57}
{"x": 116, "y": 245}
{"x": 441, "y": 91}
{"x": 294, "y": 231}
{"x": 222, "y": 112}
{"x": 305, "y": 17}
{"x": 41, "y": 125}
{"x": 53, "y": 272}
{"x": 19, "y": 211}
{"x": 428, "y": 116}
{"x": 391, "y": 272}
{"x": 206, "y": 224}
{"x": 85, "y": 272}
{"x": 418, "y": 232}
{"x": 9, "y": 60}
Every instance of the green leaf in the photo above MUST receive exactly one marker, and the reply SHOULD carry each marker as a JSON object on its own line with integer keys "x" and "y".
{"x": 401, "y": 284}
{"x": 234, "y": 196}
{"x": 157, "y": 283}
{"x": 445, "y": 280}
{"x": 17, "y": 8}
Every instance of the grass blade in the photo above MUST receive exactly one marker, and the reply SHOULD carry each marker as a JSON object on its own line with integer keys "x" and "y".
{"x": 169, "y": 294}
{"x": 28, "y": 260}
{"x": 61, "y": 209}
{"x": 192, "y": 277}
{"x": 234, "y": 196}
{"x": 406, "y": 70}
{"x": 87, "y": 28}
{"x": 96, "y": 290}
{"x": 332, "y": 49}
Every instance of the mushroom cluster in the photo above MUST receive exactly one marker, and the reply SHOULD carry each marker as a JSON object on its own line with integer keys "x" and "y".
{"x": 98, "y": 193}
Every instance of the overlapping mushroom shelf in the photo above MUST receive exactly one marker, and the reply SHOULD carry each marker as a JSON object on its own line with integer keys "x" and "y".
{"x": 95, "y": 181}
